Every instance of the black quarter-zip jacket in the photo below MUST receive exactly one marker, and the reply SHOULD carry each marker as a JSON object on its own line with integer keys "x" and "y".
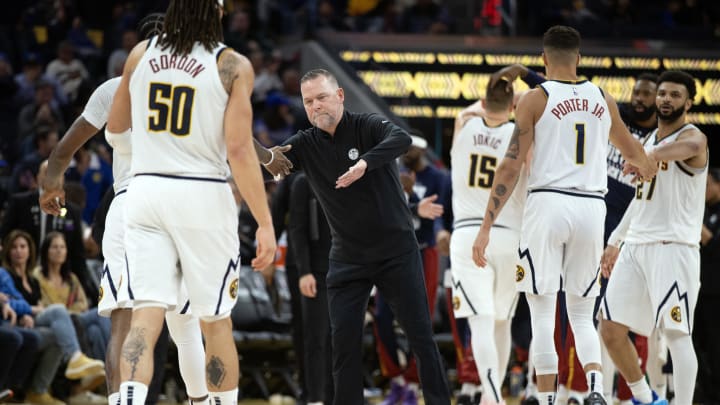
{"x": 370, "y": 220}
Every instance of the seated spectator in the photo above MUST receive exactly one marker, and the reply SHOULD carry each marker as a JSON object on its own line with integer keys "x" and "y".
{"x": 266, "y": 75}
{"x": 18, "y": 347}
{"x": 426, "y": 17}
{"x": 96, "y": 176}
{"x": 40, "y": 112}
{"x": 28, "y": 79}
{"x": 68, "y": 70}
{"x": 18, "y": 258}
{"x": 58, "y": 285}
{"x": 25, "y": 171}
{"x": 23, "y": 212}
{"x": 118, "y": 56}
{"x": 276, "y": 123}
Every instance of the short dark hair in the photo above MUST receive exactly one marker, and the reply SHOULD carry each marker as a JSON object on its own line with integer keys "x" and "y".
{"x": 315, "y": 73}
{"x": 498, "y": 97}
{"x": 561, "y": 38}
{"x": 679, "y": 77}
{"x": 651, "y": 77}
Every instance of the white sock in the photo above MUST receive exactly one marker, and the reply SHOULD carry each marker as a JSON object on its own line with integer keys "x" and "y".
{"x": 314, "y": 403}
{"x": 185, "y": 332}
{"x": 641, "y": 391}
{"x": 468, "y": 389}
{"x": 399, "y": 380}
{"x": 133, "y": 393}
{"x": 414, "y": 387}
{"x": 685, "y": 365}
{"x": 595, "y": 381}
{"x": 114, "y": 398}
{"x": 75, "y": 355}
{"x": 546, "y": 398}
{"x": 225, "y": 397}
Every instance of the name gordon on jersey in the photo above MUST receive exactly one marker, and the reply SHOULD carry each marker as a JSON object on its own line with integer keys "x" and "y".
{"x": 576, "y": 104}
{"x": 187, "y": 65}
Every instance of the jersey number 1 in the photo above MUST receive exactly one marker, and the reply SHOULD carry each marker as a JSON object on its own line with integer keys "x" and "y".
{"x": 482, "y": 174}
{"x": 580, "y": 143}
{"x": 170, "y": 108}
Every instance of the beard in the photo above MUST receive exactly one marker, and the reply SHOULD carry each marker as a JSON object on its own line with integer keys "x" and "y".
{"x": 644, "y": 115}
{"x": 672, "y": 115}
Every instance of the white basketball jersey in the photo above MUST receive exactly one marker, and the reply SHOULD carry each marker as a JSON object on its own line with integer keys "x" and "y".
{"x": 96, "y": 113}
{"x": 571, "y": 138}
{"x": 178, "y": 105}
{"x": 475, "y": 155}
{"x": 672, "y": 205}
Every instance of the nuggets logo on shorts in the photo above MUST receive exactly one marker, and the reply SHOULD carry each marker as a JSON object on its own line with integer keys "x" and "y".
{"x": 519, "y": 273}
{"x": 233, "y": 289}
{"x": 675, "y": 314}
{"x": 456, "y": 303}
{"x": 100, "y": 294}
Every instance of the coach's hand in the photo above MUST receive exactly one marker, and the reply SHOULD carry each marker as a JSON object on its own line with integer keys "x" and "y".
{"x": 479, "y": 246}
{"x": 609, "y": 257}
{"x": 428, "y": 209}
{"x": 279, "y": 165}
{"x": 352, "y": 175}
{"x": 308, "y": 286}
{"x": 265, "y": 251}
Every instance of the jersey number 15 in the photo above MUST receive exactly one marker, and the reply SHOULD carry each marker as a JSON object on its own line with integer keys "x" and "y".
{"x": 170, "y": 108}
{"x": 482, "y": 171}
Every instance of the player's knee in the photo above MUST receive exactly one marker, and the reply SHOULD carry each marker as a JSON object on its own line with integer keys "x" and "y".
{"x": 545, "y": 363}
{"x": 612, "y": 333}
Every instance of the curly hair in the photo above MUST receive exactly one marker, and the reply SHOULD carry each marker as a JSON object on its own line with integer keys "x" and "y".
{"x": 189, "y": 21}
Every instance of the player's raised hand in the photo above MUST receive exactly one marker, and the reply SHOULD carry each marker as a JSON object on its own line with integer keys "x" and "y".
{"x": 352, "y": 175}
{"x": 279, "y": 166}
{"x": 266, "y": 246}
{"x": 609, "y": 257}
{"x": 478, "y": 251}
{"x": 509, "y": 74}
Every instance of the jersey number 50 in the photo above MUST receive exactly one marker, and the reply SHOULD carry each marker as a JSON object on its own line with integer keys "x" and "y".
{"x": 482, "y": 171}
{"x": 170, "y": 108}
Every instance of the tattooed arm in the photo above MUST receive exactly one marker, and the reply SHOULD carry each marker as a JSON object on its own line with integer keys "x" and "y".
{"x": 529, "y": 109}
{"x": 236, "y": 75}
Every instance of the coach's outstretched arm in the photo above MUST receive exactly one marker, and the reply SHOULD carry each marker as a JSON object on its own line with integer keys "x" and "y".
{"x": 237, "y": 76}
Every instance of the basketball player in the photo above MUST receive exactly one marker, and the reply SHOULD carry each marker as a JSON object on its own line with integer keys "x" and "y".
{"x": 568, "y": 122}
{"x": 179, "y": 153}
{"x": 486, "y": 297}
{"x": 656, "y": 280}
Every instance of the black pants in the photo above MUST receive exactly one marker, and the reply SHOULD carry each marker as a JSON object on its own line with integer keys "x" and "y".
{"x": 291, "y": 273}
{"x": 706, "y": 335}
{"x": 318, "y": 346}
{"x": 400, "y": 281}
{"x": 18, "y": 351}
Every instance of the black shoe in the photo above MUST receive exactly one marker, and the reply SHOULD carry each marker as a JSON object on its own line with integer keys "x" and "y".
{"x": 476, "y": 398}
{"x": 464, "y": 399}
{"x": 530, "y": 401}
{"x": 573, "y": 401}
{"x": 595, "y": 399}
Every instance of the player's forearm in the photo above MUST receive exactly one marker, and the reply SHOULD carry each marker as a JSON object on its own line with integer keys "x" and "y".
{"x": 245, "y": 168}
{"x": 679, "y": 150}
{"x": 619, "y": 234}
{"x": 79, "y": 133}
{"x": 506, "y": 178}
{"x": 264, "y": 155}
